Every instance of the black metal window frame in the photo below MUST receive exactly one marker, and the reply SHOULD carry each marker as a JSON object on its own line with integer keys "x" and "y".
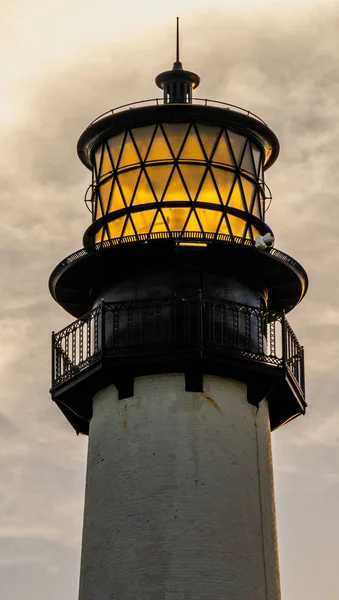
{"x": 259, "y": 194}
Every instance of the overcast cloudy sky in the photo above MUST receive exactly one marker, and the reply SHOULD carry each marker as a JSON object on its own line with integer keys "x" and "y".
{"x": 63, "y": 62}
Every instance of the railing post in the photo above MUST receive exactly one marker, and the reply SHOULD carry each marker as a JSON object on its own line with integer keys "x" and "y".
{"x": 200, "y": 322}
{"x": 302, "y": 369}
{"x": 53, "y": 358}
{"x": 284, "y": 339}
{"x": 103, "y": 326}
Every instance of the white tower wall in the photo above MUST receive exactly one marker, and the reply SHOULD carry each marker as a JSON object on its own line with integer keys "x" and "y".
{"x": 179, "y": 495}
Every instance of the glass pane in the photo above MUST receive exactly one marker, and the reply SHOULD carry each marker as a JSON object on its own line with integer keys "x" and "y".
{"x": 208, "y": 136}
{"x": 209, "y": 219}
{"x": 143, "y": 193}
{"x": 192, "y": 147}
{"x": 159, "y": 224}
{"x": 255, "y": 232}
{"x": 237, "y": 225}
{"x": 248, "y": 232}
{"x": 175, "y": 190}
{"x": 175, "y": 133}
{"x": 158, "y": 176}
{"x": 114, "y": 145}
{"x": 115, "y": 227}
{"x": 237, "y": 144}
{"x": 116, "y": 202}
{"x": 175, "y": 217}
{"x": 129, "y": 229}
{"x": 143, "y": 220}
{"x": 236, "y": 199}
{"x": 105, "y": 236}
{"x": 129, "y": 154}
{"x": 247, "y": 162}
{"x": 224, "y": 180}
{"x": 208, "y": 192}
{"x": 256, "y": 208}
{"x": 193, "y": 223}
{"x": 98, "y": 208}
{"x": 248, "y": 189}
{"x": 142, "y": 137}
{"x": 104, "y": 191}
{"x": 222, "y": 152}
{"x": 97, "y": 160}
{"x": 104, "y": 165}
{"x": 192, "y": 175}
{"x": 98, "y": 236}
{"x": 256, "y": 157}
{"x": 159, "y": 149}
{"x": 127, "y": 182}
{"x": 224, "y": 229}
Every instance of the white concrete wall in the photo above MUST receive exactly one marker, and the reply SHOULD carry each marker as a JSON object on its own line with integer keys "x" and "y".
{"x": 179, "y": 496}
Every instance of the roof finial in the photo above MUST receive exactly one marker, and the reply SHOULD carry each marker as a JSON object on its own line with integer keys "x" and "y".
{"x": 177, "y": 84}
{"x": 177, "y": 59}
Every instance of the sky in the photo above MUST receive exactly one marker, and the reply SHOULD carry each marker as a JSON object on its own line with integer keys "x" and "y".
{"x": 62, "y": 64}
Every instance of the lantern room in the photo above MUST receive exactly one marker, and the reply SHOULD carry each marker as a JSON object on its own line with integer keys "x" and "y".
{"x": 182, "y": 167}
{"x": 185, "y": 177}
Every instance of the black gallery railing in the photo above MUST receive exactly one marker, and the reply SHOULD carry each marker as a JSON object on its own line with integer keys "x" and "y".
{"x": 153, "y": 327}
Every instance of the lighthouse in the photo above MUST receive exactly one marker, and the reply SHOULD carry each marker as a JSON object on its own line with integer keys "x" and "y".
{"x": 180, "y": 361}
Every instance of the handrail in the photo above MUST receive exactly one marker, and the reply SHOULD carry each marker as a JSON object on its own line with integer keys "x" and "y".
{"x": 153, "y": 326}
{"x": 160, "y": 101}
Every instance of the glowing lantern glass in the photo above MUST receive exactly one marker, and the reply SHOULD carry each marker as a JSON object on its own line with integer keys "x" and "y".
{"x": 177, "y": 177}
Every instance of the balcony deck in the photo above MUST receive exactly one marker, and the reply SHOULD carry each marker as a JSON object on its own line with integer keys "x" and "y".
{"x": 117, "y": 341}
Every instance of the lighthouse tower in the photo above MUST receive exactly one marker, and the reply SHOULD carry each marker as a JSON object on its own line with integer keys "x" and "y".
{"x": 180, "y": 362}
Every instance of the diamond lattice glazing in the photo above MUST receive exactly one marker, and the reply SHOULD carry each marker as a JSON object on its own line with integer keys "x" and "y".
{"x": 177, "y": 177}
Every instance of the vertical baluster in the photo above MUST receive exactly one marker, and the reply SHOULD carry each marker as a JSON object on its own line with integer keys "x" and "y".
{"x": 74, "y": 347}
{"x": 88, "y": 328}
{"x": 260, "y": 325}
{"x": 283, "y": 339}
{"x": 81, "y": 342}
{"x": 290, "y": 350}
{"x": 302, "y": 369}
{"x": 66, "y": 357}
{"x": 272, "y": 338}
{"x": 297, "y": 362}
{"x": 54, "y": 364}
{"x": 58, "y": 359}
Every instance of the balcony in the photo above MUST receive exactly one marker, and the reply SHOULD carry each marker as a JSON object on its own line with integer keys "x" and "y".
{"x": 117, "y": 341}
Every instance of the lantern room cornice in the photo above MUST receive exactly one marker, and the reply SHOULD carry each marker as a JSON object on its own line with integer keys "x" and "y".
{"x": 241, "y": 122}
